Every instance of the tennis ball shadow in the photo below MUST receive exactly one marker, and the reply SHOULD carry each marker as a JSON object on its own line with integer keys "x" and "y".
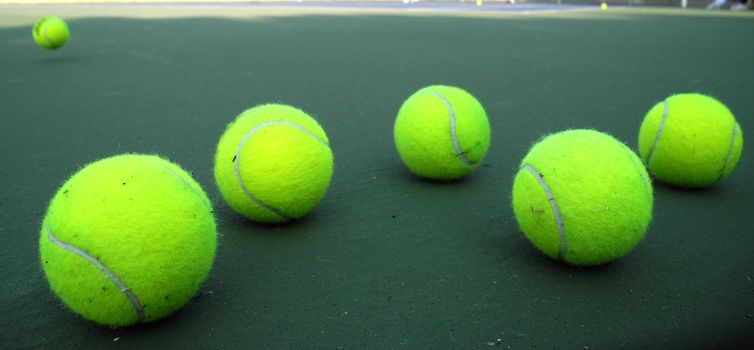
{"x": 189, "y": 313}
{"x": 235, "y": 222}
{"x": 518, "y": 250}
{"x": 182, "y": 318}
{"x": 414, "y": 179}
{"x": 59, "y": 59}
{"x": 665, "y": 187}
{"x": 604, "y": 268}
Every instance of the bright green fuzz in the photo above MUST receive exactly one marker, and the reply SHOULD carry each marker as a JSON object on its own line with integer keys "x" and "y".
{"x": 273, "y": 163}
{"x": 583, "y": 197}
{"x": 690, "y": 140}
{"x": 442, "y": 133}
{"x": 50, "y": 33}
{"x": 128, "y": 239}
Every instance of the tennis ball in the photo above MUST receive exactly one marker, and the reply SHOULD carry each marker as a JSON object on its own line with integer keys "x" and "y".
{"x": 128, "y": 239}
{"x": 273, "y": 163}
{"x": 690, "y": 140}
{"x": 583, "y": 197}
{"x": 50, "y": 33}
{"x": 441, "y": 132}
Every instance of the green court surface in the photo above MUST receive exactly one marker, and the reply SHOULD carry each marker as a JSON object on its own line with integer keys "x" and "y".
{"x": 386, "y": 261}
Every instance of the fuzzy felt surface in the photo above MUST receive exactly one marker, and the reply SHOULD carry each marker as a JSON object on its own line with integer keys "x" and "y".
{"x": 144, "y": 219}
{"x": 600, "y": 188}
{"x": 425, "y": 128}
{"x": 50, "y": 33}
{"x": 690, "y": 140}
{"x": 273, "y": 163}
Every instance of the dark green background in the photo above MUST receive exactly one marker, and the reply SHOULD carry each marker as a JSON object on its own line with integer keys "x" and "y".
{"x": 386, "y": 260}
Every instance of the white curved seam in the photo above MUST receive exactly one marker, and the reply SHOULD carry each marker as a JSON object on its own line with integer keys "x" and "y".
{"x": 192, "y": 189}
{"x": 730, "y": 151}
{"x": 44, "y": 34}
{"x": 453, "y": 135}
{"x": 237, "y": 158}
{"x": 122, "y": 286}
{"x": 555, "y": 210}
{"x": 659, "y": 132}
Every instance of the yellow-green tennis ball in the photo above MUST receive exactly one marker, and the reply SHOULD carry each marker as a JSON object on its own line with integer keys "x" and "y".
{"x": 50, "y": 32}
{"x": 273, "y": 163}
{"x": 128, "y": 239}
{"x": 690, "y": 140}
{"x": 583, "y": 197}
{"x": 442, "y": 132}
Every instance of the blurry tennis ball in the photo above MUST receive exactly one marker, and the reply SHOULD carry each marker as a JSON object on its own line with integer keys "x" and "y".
{"x": 51, "y": 32}
{"x": 690, "y": 140}
{"x": 583, "y": 197}
{"x": 273, "y": 163}
{"x": 442, "y": 132}
{"x": 603, "y": 6}
{"x": 128, "y": 239}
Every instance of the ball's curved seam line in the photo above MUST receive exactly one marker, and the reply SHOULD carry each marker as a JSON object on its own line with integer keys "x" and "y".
{"x": 36, "y": 28}
{"x": 80, "y": 252}
{"x": 44, "y": 34}
{"x": 453, "y": 136}
{"x": 730, "y": 151}
{"x": 555, "y": 210}
{"x": 659, "y": 132}
{"x": 185, "y": 183}
{"x": 237, "y": 159}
